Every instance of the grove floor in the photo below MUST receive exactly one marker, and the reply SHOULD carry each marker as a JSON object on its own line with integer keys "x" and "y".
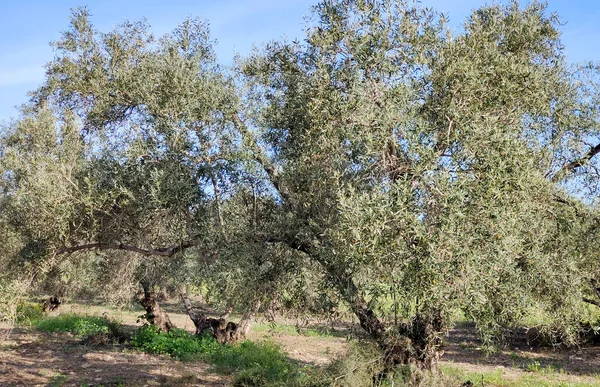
{"x": 32, "y": 358}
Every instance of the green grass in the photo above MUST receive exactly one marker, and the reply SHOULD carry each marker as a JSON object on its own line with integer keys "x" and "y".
{"x": 29, "y": 313}
{"x": 537, "y": 378}
{"x": 58, "y": 381}
{"x": 253, "y": 364}
{"x": 79, "y": 325}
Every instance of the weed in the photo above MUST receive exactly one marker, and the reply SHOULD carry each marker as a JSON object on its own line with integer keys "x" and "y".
{"x": 534, "y": 366}
{"x": 29, "y": 313}
{"x": 57, "y": 381}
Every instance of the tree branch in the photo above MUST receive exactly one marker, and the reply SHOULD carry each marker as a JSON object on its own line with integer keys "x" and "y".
{"x": 260, "y": 157}
{"x": 162, "y": 251}
{"x": 346, "y": 287}
{"x": 596, "y": 287}
{"x": 569, "y": 167}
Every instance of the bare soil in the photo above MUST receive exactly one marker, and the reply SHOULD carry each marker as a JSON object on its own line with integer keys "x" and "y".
{"x": 29, "y": 358}
{"x": 32, "y": 358}
{"x": 573, "y": 365}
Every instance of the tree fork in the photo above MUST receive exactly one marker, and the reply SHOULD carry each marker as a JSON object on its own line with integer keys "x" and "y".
{"x": 225, "y": 332}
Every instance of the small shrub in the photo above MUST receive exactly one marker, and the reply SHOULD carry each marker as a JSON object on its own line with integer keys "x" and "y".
{"x": 358, "y": 367}
{"x": 253, "y": 377}
{"x": 12, "y": 292}
{"x": 534, "y": 366}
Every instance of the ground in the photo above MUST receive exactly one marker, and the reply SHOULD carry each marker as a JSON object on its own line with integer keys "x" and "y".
{"x": 32, "y": 358}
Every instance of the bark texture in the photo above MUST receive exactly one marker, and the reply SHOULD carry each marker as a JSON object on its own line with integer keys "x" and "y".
{"x": 225, "y": 332}
{"x": 417, "y": 342}
{"x": 154, "y": 313}
{"x": 51, "y": 304}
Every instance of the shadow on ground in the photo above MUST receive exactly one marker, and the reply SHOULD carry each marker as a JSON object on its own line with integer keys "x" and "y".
{"x": 465, "y": 347}
{"x": 40, "y": 359}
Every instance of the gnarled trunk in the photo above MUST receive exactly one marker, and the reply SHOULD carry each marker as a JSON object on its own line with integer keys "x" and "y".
{"x": 245, "y": 323}
{"x": 51, "y": 304}
{"x": 417, "y": 343}
{"x": 154, "y": 313}
{"x": 225, "y": 332}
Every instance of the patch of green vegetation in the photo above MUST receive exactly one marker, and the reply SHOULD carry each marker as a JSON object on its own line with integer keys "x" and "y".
{"x": 116, "y": 384}
{"x": 58, "y": 381}
{"x": 29, "y": 312}
{"x": 500, "y": 379}
{"x": 176, "y": 343}
{"x": 292, "y": 330}
{"x": 79, "y": 325}
{"x": 253, "y": 364}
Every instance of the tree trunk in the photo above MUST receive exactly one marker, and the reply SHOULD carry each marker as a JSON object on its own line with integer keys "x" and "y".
{"x": 416, "y": 343}
{"x": 245, "y": 323}
{"x": 197, "y": 318}
{"x": 223, "y": 331}
{"x": 154, "y": 313}
{"x": 54, "y": 301}
{"x": 51, "y": 304}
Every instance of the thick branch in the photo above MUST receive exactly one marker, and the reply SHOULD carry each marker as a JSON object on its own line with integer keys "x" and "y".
{"x": 596, "y": 287}
{"x": 154, "y": 313}
{"x": 218, "y": 205}
{"x": 244, "y": 326}
{"x": 162, "y": 251}
{"x": 199, "y": 319}
{"x": 569, "y": 167}
{"x": 348, "y": 290}
{"x": 261, "y": 157}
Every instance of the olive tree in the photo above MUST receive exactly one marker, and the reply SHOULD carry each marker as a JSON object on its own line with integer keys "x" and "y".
{"x": 121, "y": 150}
{"x": 427, "y": 171}
{"x": 385, "y": 162}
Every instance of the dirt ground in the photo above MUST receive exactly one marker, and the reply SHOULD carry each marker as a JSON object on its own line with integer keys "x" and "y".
{"x": 575, "y": 365}
{"x": 31, "y": 358}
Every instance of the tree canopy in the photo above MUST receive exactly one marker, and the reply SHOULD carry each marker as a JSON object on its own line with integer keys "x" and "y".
{"x": 385, "y": 162}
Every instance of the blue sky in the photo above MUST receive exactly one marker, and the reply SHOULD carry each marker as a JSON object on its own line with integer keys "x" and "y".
{"x": 27, "y": 26}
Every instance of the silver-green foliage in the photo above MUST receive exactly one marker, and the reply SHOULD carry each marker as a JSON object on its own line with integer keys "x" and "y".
{"x": 432, "y": 168}
{"x": 385, "y": 161}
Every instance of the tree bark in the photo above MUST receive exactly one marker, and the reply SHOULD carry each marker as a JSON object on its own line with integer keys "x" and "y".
{"x": 161, "y": 251}
{"x": 51, "y": 304}
{"x": 197, "y": 318}
{"x": 154, "y": 313}
{"x": 245, "y": 323}
{"x": 416, "y": 343}
{"x": 225, "y": 332}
